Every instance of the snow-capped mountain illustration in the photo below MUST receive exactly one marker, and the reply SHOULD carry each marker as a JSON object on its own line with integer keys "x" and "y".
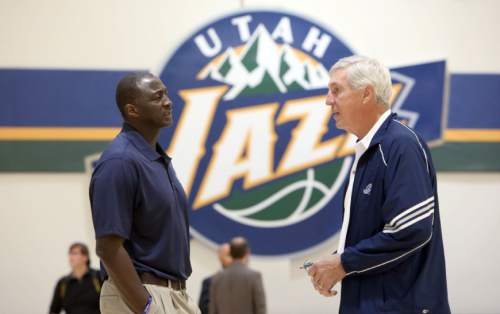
{"x": 262, "y": 66}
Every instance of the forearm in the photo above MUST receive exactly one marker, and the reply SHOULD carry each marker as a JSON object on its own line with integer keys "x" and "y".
{"x": 56, "y": 303}
{"x": 212, "y": 304}
{"x": 382, "y": 252}
{"x": 260, "y": 298}
{"x": 121, "y": 270}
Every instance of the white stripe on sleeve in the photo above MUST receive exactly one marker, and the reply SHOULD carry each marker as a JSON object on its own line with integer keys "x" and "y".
{"x": 406, "y": 218}
{"x": 411, "y": 209}
{"x": 411, "y": 222}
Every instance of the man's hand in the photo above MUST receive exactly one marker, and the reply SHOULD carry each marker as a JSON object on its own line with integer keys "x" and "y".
{"x": 326, "y": 273}
{"x": 120, "y": 268}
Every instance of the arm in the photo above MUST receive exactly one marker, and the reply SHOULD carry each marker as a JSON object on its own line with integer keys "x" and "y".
{"x": 204, "y": 300}
{"x": 56, "y": 304}
{"x": 259, "y": 299}
{"x": 120, "y": 268}
{"x": 112, "y": 196}
{"x": 212, "y": 306}
{"x": 408, "y": 214}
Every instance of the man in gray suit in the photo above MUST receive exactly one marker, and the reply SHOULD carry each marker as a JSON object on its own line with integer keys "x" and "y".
{"x": 225, "y": 260}
{"x": 238, "y": 289}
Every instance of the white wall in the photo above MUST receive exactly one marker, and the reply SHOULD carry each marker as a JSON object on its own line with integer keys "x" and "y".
{"x": 130, "y": 34}
{"x": 41, "y": 214}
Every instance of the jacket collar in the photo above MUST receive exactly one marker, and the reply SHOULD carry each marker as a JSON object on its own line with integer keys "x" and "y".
{"x": 141, "y": 144}
{"x": 379, "y": 135}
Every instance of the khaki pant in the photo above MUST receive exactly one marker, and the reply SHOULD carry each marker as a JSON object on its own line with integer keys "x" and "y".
{"x": 165, "y": 301}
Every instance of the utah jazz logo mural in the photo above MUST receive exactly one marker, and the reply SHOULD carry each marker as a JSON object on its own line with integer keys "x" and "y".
{"x": 253, "y": 142}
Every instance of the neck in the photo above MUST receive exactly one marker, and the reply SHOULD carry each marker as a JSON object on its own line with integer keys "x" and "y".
{"x": 243, "y": 261}
{"x": 79, "y": 271}
{"x": 368, "y": 122}
{"x": 150, "y": 135}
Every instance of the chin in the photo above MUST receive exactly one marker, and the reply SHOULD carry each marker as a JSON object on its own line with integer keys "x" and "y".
{"x": 165, "y": 123}
{"x": 339, "y": 125}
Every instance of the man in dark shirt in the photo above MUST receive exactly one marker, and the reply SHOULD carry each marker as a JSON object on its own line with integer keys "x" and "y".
{"x": 139, "y": 209}
{"x": 78, "y": 292}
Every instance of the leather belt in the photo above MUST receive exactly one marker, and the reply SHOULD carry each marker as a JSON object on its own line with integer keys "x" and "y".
{"x": 151, "y": 279}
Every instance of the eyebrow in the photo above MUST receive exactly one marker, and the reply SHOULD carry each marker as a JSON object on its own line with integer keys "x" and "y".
{"x": 156, "y": 91}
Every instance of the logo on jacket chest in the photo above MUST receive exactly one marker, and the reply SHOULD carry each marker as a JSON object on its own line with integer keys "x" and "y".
{"x": 368, "y": 189}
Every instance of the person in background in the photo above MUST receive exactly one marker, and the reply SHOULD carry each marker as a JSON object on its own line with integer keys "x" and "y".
{"x": 225, "y": 260}
{"x": 237, "y": 289}
{"x": 78, "y": 292}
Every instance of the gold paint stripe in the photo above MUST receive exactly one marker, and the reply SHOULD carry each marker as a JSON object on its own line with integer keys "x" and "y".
{"x": 105, "y": 134}
{"x": 472, "y": 135}
{"x": 57, "y": 134}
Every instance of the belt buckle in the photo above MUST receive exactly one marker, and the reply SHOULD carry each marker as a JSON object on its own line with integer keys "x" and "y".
{"x": 175, "y": 284}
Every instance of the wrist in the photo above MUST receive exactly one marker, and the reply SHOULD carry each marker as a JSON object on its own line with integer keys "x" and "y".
{"x": 342, "y": 264}
{"x": 148, "y": 305}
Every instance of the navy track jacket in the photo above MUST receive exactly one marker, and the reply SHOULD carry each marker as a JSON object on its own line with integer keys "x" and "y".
{"x": 393, "y": 255}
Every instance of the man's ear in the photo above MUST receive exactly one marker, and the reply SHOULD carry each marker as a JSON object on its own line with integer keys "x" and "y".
{"x": 369, "y": 94}
{"x": 131, "y": 111}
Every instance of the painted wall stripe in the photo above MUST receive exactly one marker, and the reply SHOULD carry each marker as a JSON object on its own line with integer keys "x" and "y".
{"x": 472, "y": 135}
{"x": 58, "y": 134}
{"x": 106, "y": 134}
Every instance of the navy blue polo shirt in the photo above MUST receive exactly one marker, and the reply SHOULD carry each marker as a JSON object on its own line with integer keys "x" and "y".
{"x": 135, "y": 194}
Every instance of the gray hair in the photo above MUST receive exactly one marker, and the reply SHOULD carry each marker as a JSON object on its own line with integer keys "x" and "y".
{"x": 363, "y": 71}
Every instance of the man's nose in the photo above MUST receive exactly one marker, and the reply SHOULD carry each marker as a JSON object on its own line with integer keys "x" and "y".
{"x": 329, "y": 99}
{"x": 167, "y": 103}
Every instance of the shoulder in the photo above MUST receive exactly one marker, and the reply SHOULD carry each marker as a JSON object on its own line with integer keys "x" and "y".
{"x": 119, "y": 156}
{"x": 400, "y": 139}
{"x": 400, "y": 134}
{"x": 250, "y": 273}
{"x": 116, "y": 162}
{"x": 63, "y": 281}
{"x": 207, "y": 281}
{"x": 114, "y": 168}
{"x": 215, "y": 279}
{"x": 120, "y": 148}
{"x": 95, "y": 273}
{"x": 255, "y": 274}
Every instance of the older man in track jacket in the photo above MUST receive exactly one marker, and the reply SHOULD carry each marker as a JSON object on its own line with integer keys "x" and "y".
{"x": 390, "y": 257}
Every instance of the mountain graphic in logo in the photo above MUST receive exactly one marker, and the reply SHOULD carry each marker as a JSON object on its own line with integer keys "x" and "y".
{"x": 261, "y": 66}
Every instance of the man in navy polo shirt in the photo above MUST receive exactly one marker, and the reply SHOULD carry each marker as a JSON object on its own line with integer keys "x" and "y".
{"x": 139, "y": 209}
{"x": 390, "y": 257}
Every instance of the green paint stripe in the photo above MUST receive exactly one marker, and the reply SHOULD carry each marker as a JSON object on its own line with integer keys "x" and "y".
{"x": 47, "y": 156}
{"x": 62, "y": 156}
{"x": 467, "y": 157}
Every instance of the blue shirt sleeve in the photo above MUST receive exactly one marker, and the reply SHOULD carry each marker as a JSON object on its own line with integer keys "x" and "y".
{"x": 112, "y": 191}
{"x": 407, "y": 210}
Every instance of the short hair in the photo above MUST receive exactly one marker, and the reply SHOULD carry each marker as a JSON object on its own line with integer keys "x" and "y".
{"x": 363, "y": 71}
{"x": 83, "y": 249}
{"x": 238, "y": 247}
{"x": 127, "y": 90}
